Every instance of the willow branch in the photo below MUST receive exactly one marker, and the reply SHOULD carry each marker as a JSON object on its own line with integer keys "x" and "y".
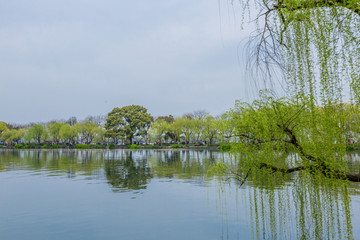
{"x": 337, "y": 174}
{"x": 319, "y": 3}
{"x": 283, "y": 170}
{"x": 258, "y": 140}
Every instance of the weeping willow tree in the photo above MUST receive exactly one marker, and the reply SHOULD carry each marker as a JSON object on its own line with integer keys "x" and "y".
{"x": 318, "y": 135}
{"x": 315, "y": 46}
{"x": 315, "y": 43}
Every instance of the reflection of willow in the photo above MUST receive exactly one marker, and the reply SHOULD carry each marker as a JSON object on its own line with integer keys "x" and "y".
{"x": 311, "y": 208}
{"x": 126, "y": 172}
{"x": 300, "y": 205}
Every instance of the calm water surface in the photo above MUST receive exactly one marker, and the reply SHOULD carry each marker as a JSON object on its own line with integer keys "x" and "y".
{"x": 158, "y": 194}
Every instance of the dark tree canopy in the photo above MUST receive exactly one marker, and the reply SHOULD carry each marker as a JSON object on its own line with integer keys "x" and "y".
{"x": 168, "y": 119}
{"x": 127, "y": 122}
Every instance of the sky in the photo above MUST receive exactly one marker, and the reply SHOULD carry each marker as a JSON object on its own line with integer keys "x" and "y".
{"x": 65, "y": 58}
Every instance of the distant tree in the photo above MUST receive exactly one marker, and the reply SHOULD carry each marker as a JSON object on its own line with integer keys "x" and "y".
{"x": 169, "y": 133}
{"x": 99, "y": 120}
{"x": 197, "y": 126}
{"x": 225, "y": 126}
{"x": 210, "y": 129}
{"x": 200, "y": 114}
{"x": 68, "y": 134}
{"x": 99, "y": 134}
{"x": 3, "y": 127}
{"x": 54, "y": 130}
{"x": 187, "y": 127}
{"x": 188, "y": 115}
{"x": 71, "y": 121}
{"x": 12, "y": 135}
{"x": 37, "y": 133}
{"x": 168, "y": 119}
{"x": 158, "y": 130}
{"x": 128, "y": 122}
{"x": 87, "y": 130}
{"x": 175, "y": 130}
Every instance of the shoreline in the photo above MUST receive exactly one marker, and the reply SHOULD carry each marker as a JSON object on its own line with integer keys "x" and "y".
{"x": 148, "y": 147}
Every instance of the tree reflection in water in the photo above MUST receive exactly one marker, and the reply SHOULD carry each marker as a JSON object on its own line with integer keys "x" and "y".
{"x": 127, "y": 173}
{"x": 300, "y": 205}
{"x": 278, "y": 206}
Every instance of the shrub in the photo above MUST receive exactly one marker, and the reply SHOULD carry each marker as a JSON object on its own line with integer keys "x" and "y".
{"x": 133, "y": 146}
{"x": 175, "y": 146}
{"x": 27, "y": 146}
{"x": 98, "y": 146}
{"x": 18, "y": 146}
{"x": 45, "y": 146}
{"x": 350, "y": 147}
{"x": 225, "y": 147}
{"x": 111, "y": 145}
{"x": 82, "y": 146}
{"x": 55, "y": 146}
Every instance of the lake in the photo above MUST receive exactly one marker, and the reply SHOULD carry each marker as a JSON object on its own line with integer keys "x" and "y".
{"x": 163, "y": 194}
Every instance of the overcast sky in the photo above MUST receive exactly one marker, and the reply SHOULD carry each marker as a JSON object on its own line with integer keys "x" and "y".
{"x": 63, "y": 58}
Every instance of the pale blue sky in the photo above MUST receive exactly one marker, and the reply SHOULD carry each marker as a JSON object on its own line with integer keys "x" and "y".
{"x": 85, "y": 57}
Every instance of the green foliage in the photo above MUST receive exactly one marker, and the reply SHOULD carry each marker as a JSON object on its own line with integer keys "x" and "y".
{"x": 55, "y": 146}
{"x": 45, "y": 146}
{"x": 68, "y": 133}
{"x": 12, "y": 135}
{"x": 111, "y": 145}
{"x": 225, "y": 147}
{"x": 126, "y": 122}
{"x": 3, "y": 127}
{"x": 268, "y": 128}
{"x": 87, "y": 130}
{"x": 54, "y": 130}
{"x": 225, "y": 127}
{"x": 82, "y": 146}
{"x": 133, "y": 146}
{"x": 98, "y": 146}
{"x": 176, "y": 146}
{"x": 350, "y": 147}
{"x": 210, "y": 130}
{"x": 186, "y": 126}
{"x": 30, "y": 146}
{"x": 18, "y": 146}
{"x": 314, "y": 43}
{"x": 158, "y": 130}
{"x": 219, "y": 169}
{"x": 168, "y": 119}
{"x": 175, "y": 130}
{"x": 99, "y": 135}
{"x": 37, "y": 133}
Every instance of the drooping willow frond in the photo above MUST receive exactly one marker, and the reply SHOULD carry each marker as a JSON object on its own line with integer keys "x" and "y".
{"x": 316, "y": 44}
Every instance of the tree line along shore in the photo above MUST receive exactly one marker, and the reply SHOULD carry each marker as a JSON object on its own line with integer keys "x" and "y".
{"x": 127, "y": 127}
{"x": 133, "y": 127}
